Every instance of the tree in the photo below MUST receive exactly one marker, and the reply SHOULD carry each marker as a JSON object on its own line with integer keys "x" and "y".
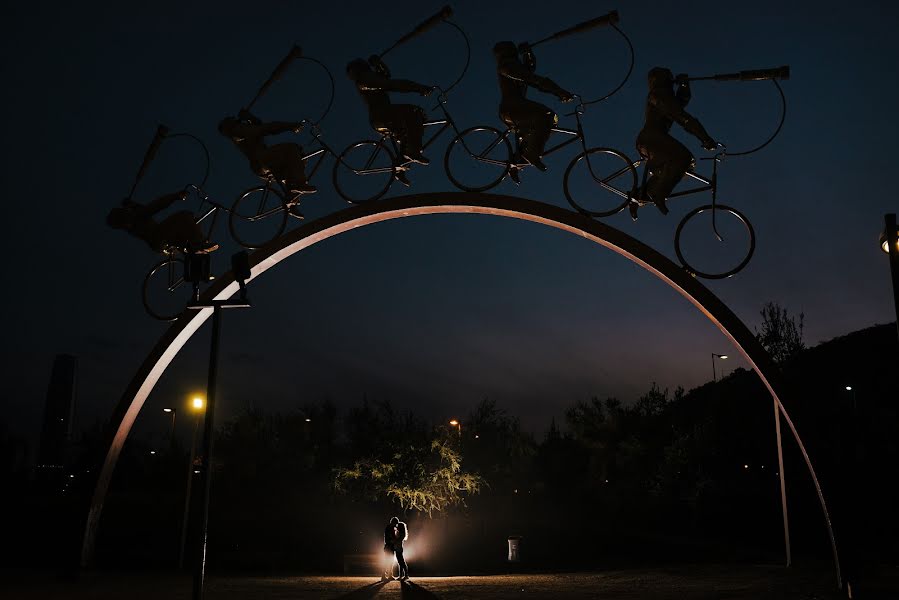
{"x": 781, "y": 335}
{"x": 422, "y": 479}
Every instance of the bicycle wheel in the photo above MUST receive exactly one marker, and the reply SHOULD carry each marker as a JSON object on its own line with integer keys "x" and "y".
{"x": 598, "y": 182}
{"x": 364, "y": 171}
{"x": 257, "y": 217}
{"x": 720, "y": 241}
{"x": 165, "y": 293}
{"x": 477, "y": 159}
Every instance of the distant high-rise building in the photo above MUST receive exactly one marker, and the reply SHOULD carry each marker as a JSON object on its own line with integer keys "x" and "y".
{"x": 59, "y": 416}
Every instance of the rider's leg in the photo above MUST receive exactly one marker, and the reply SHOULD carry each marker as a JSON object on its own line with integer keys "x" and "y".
{"x": 286, "y": 162}
{"x": 670, "y": 160}
{"x": 534, "y": 121}
{"x": 181, "y": 230}
{"x": 408, "y": 127}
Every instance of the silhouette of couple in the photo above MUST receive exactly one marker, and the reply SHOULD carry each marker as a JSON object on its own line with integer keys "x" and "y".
{"x": 395, "y": 534}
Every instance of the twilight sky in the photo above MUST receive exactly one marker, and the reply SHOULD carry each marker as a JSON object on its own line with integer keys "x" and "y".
{"x": 435, "y": 312}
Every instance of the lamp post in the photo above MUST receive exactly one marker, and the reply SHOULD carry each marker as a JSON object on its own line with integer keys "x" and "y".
{"x": 240, "y": 267}
{"x": 173, "y": 412}
{"x": 197, "y": 405}
{"x": 714, "y": 356}
{"x": 890, "y": 244}
{"x": 456, "y": 423}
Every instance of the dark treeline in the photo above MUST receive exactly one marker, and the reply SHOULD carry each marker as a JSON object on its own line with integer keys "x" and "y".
{"x": 669, "y": 476}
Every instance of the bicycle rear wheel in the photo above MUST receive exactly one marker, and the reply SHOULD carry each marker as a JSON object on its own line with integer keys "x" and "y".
{"x": 257, "y": 217}
{"x": 598, "y": 182}
{"x": 165, "y": 293}
{"x": 477, "y": 159}
{"x": 364, "y": 171}
{"x": 719, "y": 242}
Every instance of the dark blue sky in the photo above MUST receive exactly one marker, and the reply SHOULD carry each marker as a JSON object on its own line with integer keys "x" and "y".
{"x": 436, "y": 312}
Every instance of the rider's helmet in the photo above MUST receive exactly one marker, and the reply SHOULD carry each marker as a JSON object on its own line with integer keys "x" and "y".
{"x": 505, "y": 50}
{"x": 660, "y": 77}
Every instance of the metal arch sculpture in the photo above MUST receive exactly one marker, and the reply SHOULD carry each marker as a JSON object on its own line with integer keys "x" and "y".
{"x": 426, "y": 204}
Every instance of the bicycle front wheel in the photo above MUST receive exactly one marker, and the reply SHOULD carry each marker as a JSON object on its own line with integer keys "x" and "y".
{"x": 477, "y": 159}
{"x": 714, "y": 242}
{"x": 258, "y": 216}
{"x": 364, "y": 171}
{"x": 165, "y": 293}
{"x": 599, "y": 182}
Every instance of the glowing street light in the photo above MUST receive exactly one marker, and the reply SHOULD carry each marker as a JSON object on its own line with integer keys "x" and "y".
{"x": 714, "y": 356}
{"x": 456, "y": 423}
{"x": 197, "y": 403}
{"x": 173, "y": 412}
{"x": 889, "y": 243}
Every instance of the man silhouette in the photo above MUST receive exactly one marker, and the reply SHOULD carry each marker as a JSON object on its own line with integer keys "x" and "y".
{"x": 404, "y": 122}
{"x": 389, "y": 545}
{"x": 532, "y": 120}
{"x": 179, "y": 230}
{"x": 402, "y": 534}
{"x": 667, "y": 158}
{"x": 283, "y": 162}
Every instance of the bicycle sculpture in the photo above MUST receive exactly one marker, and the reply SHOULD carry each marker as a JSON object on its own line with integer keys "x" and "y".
{"x": 366, "y": 169}
{"x": 180, "y": 235}
{"x": 259, "y": 214}
{"x": 613, "y": 188}
{"x": 598, "y": 182}
{"x": 480, "y": 157}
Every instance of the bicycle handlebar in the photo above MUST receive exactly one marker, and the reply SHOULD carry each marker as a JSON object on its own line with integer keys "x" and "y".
{"x": 161, "y": 132}
{"x": 750, "y": 75}
{"x": 610, "y": 18}
{"x": 295, "y": 52}
{"x": 441, "y": 15}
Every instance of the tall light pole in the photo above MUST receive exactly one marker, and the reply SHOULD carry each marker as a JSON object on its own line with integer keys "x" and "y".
{"x": 458, "y": 424}
{"x": 173, "y": 412}
{"x": 714, "y": 356}
{"x": 196, "y": 405}
{"x": 890, "y": 244}
{"x": 240, "y": 267}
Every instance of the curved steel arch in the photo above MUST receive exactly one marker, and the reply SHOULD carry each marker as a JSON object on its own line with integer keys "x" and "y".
{"x": 428, "y": 204}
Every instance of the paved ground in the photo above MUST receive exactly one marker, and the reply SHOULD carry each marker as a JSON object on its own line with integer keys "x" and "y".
{"x": 682, "y": 583}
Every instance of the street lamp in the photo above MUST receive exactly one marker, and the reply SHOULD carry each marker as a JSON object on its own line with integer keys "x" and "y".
{"x": 714, "y": 356}
{"x": 889, "y": 243}
{"x": 196, "y": 404}
{"x": 457, "y": 424}
{"x": 173, "y": 412}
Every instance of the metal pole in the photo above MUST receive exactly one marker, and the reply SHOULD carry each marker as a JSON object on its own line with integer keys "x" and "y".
{"x": 714, "y": 376}
{"x": 890, "y": 220}
{"x": 172, "y": 436}
{"x": 783, "y": 483}
{"x": 206, "y": 454}
{"x": 190, "y": 478}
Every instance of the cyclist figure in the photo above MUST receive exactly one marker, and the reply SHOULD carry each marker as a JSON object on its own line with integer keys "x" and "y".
{"x": 404, "y": 122}
{"x": 284, "y": 162}
{"x": 532, "y": 120}
{"x": 178, "y": 230}
{"x": 666, "y": 157}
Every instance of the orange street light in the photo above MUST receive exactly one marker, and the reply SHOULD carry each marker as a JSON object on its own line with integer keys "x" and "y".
{"x": 197, "y": 403}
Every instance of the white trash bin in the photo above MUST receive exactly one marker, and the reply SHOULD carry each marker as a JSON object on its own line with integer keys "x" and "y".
{"x": 514, "y": 548}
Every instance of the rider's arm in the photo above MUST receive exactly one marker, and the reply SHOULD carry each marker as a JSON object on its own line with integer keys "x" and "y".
{"x": 519, "y": 72}
{"x": 369, "y": 80}
{"x": 162, "y": 203}
{"x": 669, "y": 105}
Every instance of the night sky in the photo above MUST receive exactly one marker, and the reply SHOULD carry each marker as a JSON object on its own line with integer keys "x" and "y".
{"x": 436, "y": 312}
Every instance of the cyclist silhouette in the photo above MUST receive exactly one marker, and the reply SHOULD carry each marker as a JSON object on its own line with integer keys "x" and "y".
{"x": 178, "y": 230}
{"x": 403, "y": 122}
{"x": 666, "y": 157}
{"x": 532, "y": 120}
{"x": 283, "y": 162}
